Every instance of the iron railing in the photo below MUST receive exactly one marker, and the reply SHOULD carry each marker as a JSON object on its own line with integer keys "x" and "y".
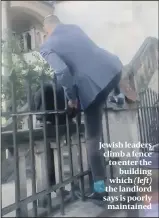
{"x": 49, "y": 135}
{"x": 148, "y": 117}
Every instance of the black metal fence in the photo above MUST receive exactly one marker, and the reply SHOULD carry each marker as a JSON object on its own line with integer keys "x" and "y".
{"x": 148, "y": 117}
{"x": 45, "y": 144}
{"x": 50, "y": 136}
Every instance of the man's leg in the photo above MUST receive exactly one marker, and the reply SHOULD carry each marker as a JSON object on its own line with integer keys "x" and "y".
{"x": 117, "y": 90}
{"x": 93, "y": 124}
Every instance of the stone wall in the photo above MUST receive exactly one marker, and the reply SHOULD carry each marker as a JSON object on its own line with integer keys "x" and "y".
{"x": 123, "y": 128}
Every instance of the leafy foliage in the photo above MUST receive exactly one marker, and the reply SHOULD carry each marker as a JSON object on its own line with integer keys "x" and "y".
{"x": 24, "y": 66}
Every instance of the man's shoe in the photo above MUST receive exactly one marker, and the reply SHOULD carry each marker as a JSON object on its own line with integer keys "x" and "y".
{"x": 97, "y": 198}
{"x": 119, "y": 100}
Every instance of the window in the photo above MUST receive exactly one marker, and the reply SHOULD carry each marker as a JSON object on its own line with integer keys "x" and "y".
{"x": 28, "y": 41}
{"x": 38, "y": 37}
{"x": 44, "y": 37}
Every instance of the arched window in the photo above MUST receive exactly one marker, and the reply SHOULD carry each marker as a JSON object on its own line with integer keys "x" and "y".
{"x": 38, "y": 37}
{"x": 28, "y": 41}
{"x": 44, "y": 37}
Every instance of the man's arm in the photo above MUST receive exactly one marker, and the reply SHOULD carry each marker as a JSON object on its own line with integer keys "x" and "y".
{"x": 62, "y": 73}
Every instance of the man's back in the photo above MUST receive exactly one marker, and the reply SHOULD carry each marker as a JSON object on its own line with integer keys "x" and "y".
{"x": 92, "y": 67}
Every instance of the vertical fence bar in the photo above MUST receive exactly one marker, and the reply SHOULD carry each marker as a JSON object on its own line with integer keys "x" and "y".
{"x": 146, "y": 115}
{"x": 108, "y": 137}
{"x": 58, "y": 145}
{"x": 69, "y": 149}
{"x": 139, "y": 121}
{"x": 150, "y": 114}
{"x": 49, "y": 203}
{"x": 23, "y": 180}
{"x": 156, "y": 118}
{"x": 16, "y": 156}
{"x": 81, "y": 179}
{"x": 90, "y": 177}
{"x": 143, "y": 114}
{"x": 142, "y": 117}
{"x": 31, "y": 144}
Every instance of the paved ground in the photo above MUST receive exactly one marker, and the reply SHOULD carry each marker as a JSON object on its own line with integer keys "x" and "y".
{"x": 8, "y": 195}
{"x": 76, "y": 209}
{"x": 80, "y": 209}
{"x": 87, "y": 209}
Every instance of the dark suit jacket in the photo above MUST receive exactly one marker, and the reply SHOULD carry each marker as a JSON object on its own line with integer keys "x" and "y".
{"x": 78, "y": 62}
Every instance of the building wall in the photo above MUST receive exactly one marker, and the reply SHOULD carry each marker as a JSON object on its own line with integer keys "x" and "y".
{"x": 145, "y": 65}
{"x": 118, "y": 26}
{"x": 34, "y": 8}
